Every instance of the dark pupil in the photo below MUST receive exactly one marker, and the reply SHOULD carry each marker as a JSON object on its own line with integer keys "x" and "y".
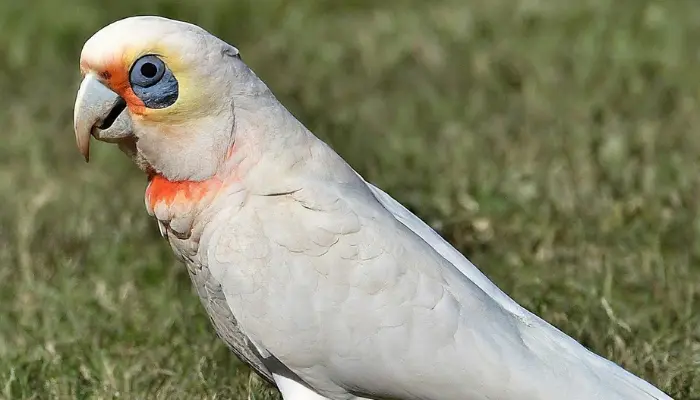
{"x": 149, "y": 70}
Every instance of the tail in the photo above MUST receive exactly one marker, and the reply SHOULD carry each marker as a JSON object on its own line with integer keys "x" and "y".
{"x": 613, "y": 381}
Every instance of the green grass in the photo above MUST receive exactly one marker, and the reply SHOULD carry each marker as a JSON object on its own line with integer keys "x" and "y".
{"x": 555, "y": 143}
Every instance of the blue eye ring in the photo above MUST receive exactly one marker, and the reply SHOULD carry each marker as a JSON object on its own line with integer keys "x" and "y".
{"x": 147, "y": 71}
{"x": 153, "y": 82}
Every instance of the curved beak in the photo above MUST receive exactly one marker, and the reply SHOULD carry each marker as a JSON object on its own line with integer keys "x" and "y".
{"x": 101, "y": 113}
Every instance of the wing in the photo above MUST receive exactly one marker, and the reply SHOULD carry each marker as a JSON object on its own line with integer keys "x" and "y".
{"x": 353, "y": 301}
{"x": 439, "y": 244}
{"x": 627, "y": 380}
{"x": 349, "y": 299}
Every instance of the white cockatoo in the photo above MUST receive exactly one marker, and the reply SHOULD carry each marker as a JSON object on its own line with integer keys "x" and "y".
{"x": 320, "y": 281}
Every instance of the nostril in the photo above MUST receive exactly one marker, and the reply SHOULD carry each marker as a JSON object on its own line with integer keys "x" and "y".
{"x": 119, "y": 106}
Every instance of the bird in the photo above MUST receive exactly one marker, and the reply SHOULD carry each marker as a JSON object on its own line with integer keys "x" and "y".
{"x": 320, "y": 281}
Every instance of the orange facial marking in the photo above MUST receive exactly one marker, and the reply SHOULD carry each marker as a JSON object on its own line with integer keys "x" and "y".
{"x": 162, "y": 191}
{"x": 116, "y": 76}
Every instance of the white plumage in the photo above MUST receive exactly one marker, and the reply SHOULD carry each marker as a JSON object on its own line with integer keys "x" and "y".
{"x": 322, "y": 282}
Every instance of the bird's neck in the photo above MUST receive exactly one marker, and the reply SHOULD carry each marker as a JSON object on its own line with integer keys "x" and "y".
{"x": 188, "y": 195}
{"x": 162, "y": 192}
{"x": 178, "y": 205}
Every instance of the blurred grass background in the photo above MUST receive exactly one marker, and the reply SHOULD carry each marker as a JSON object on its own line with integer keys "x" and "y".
{"x": 555, "y": 143}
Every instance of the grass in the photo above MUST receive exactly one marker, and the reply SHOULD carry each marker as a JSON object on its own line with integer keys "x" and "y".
{"x": 555, "y": 143}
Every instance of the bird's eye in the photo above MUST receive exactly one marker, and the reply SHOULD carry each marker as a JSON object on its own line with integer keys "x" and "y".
{"x": 153, "y": 82}
{"x": 147, "y": 71}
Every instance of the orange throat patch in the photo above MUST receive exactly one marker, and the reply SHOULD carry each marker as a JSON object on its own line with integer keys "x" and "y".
{"x": 163, "y": 192}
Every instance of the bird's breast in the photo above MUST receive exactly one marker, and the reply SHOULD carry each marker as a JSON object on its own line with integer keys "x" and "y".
{"x": 178, "y": 206}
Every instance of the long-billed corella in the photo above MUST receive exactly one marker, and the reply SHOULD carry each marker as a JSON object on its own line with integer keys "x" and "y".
{"x": 322, "y": 282}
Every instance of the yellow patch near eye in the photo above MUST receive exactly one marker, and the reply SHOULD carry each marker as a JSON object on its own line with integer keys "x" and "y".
{"x": 191, "y": 102}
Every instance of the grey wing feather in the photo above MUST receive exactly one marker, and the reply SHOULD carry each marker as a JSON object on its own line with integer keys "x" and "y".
{"x": 225, "y": 324}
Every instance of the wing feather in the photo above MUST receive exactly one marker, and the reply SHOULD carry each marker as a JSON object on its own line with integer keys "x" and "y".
{"x": 354, "y": 294}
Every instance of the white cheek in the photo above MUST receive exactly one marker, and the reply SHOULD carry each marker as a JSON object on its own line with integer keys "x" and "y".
{"x": 188, "y": 151}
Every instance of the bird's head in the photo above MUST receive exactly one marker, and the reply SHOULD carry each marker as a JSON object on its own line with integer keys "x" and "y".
{"x": 165, "y": 91}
